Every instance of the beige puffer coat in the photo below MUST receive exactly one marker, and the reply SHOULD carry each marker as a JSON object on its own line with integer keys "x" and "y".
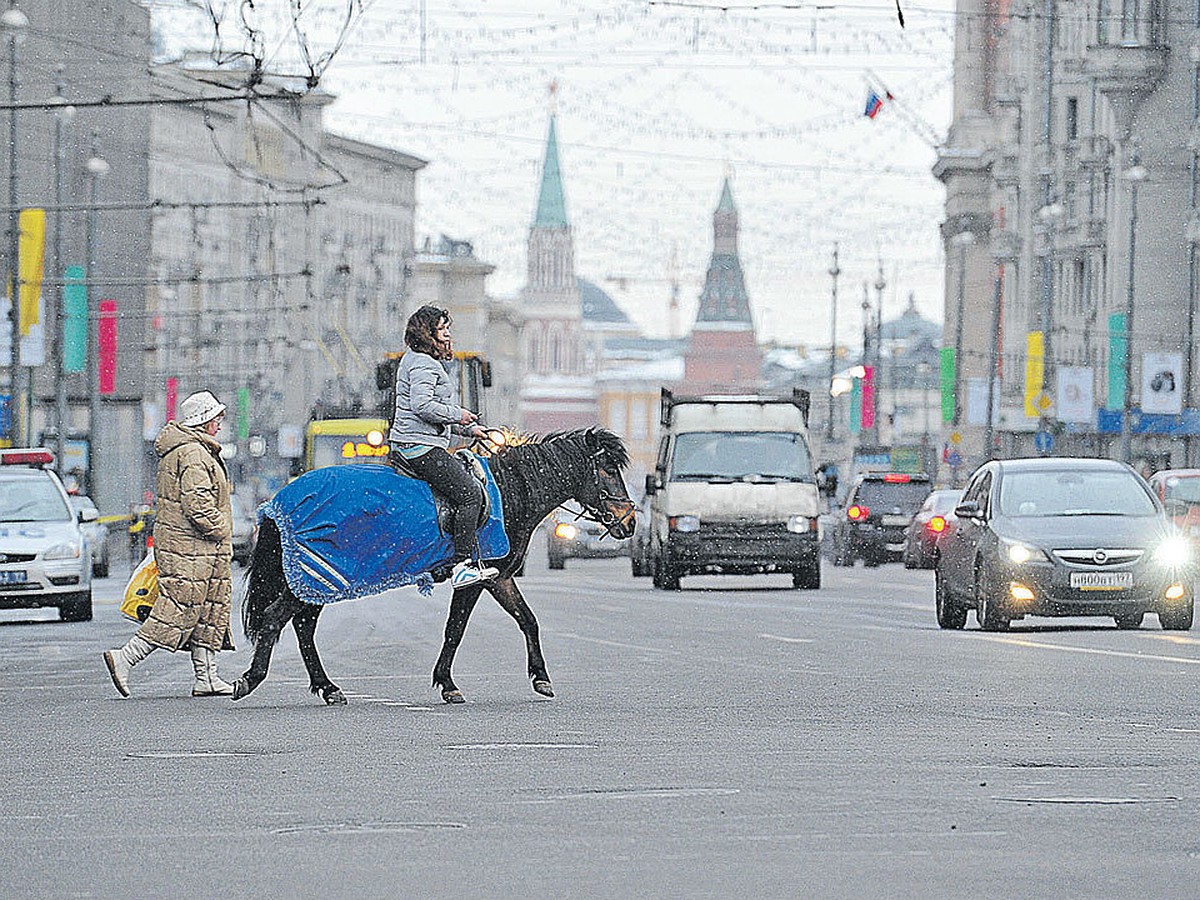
{"x": 193, "y": 543}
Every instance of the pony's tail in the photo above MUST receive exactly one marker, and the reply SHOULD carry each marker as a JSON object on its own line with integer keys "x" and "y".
{"x": 265, "y": 581}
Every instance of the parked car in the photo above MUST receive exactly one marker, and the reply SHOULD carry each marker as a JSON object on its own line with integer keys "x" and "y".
{"x": 44, "y": 556}
{"x": 245, "y": 529}
{"x": 1062, "y": 537}
{"x": 871, "y": 524}
{"x": 1179, "y": 492}
{"x": 572, "y": 538}
{"x": 95, "y": 531}
{"x": 927, "y": 528}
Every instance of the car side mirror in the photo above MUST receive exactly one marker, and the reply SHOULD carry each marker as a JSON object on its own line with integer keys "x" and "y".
{"x": 968, "y": 509}
{"x": 651, "y": 483}
{"x": 88, "y": 515}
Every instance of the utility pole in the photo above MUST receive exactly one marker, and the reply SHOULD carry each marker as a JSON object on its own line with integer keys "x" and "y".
{"x": 97, "y": 167}
{"x": 61, "y": 414}
{"x": 834, "y": 272}
{"x": 880, "y": 284}
{"x": 14, "y": 23}
{"x": 1135, "y": 175}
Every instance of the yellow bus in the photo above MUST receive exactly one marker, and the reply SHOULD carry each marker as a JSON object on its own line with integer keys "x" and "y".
{"x": 336, "y": 442}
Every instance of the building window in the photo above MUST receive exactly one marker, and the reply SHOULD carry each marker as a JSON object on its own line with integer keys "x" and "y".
{"x": 638, "y": 419}
{"x": 1072, "y": 118}
{"x": 1129, "y": 21}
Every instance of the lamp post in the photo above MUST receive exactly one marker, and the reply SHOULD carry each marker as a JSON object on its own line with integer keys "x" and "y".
{"x": 63, "y": 115}
{"x": 1135, "y": 175}
{"x": 13, "y": 22}
{"x": 97, "y": 168}
{"x": 834, "y": 272}
{"x": 962, "y": 241}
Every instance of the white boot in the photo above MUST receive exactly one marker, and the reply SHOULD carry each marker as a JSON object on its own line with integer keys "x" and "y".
{"x": 208, "y": 683}
{"x": 120, "y": 661}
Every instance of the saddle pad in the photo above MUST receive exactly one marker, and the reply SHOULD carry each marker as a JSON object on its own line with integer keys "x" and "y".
{"x": 355, "y": 530}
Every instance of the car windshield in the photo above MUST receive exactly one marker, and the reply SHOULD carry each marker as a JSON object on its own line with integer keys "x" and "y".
{"x": 741, "y": 456}
{"x": 1060, "y": 492}
{"x": 1185, "y": 490}
{"x": 906, "y": 496}
{"x": 32, "y": 500}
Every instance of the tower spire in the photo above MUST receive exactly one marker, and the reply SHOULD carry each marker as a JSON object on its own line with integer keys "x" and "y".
{"x": 552, "y": 205}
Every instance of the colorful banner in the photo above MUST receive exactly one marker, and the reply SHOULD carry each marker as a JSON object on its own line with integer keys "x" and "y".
{"x": 75, "y": 321}
{"x": 1162, "y": 383}
{"x": 32, "y": 225}
{"x": 856, "y": 405}
{"x": 172, "y": 397}
{"x": 868, "y": 397}
{"x": 107, "y": 340}
{"x": 1035, "y": 373}
{"x": 243, "y": 413}
{"x": 1118, "y": 346}
{"x": 947, "y": 375}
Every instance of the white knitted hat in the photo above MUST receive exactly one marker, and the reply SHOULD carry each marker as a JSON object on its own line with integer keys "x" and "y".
{"x": 198, "y": 408}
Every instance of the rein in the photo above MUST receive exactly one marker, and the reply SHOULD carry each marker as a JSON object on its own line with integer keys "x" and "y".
{"x": 602, "y": 516}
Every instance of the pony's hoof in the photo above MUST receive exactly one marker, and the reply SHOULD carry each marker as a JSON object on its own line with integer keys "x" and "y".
{"x": 454, "y": 696}
{"x": 335, "y": 698}
{"x": 241, "y": 688}
{"x": 543, "y": 688}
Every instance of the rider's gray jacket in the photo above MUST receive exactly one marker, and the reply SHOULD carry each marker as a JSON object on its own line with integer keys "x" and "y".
{"x": 425, "y": 409}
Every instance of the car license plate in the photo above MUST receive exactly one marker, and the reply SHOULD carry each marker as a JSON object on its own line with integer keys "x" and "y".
{"x": 13, "y": 577}
{"x": 1102, "y": 581}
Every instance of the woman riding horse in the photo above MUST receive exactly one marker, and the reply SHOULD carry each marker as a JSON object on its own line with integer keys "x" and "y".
{"x": 533, "y": 478}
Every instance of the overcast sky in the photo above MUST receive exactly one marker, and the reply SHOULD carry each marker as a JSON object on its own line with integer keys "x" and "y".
{"x": 656, "y": 102}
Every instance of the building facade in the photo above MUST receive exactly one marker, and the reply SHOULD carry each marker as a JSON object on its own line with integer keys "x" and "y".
{"x": 1072, "y": 185}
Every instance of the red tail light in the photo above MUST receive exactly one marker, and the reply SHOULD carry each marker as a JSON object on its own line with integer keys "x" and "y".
{"x": 857, "y": 512}
{"x": 897, "y": 478}
{"x": 937, "y": 525}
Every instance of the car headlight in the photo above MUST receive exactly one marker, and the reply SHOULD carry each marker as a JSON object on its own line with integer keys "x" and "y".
{"x": 565, "y": 531}
{"x": 801, "y": 524}
{"x": 1020, "y": 553}
{"x": 1173, "y": 552}
{"x": 685, "y": 523}
{"x": 68, "y": 550}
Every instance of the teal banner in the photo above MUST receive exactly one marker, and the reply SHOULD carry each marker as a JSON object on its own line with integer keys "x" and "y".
{"x": 75, "y": 321}
{"x": 855, "y": 406}
{"x": 947, "y": 373}
{"x": 1118, "y": 347}
{"x": 243, "y": 413}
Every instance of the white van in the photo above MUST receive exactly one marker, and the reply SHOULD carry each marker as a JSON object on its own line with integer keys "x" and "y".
{"x": 733, "y": 490}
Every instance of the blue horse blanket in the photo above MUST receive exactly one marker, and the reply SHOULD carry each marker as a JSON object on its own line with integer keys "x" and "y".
{"x": 355, "y": 530}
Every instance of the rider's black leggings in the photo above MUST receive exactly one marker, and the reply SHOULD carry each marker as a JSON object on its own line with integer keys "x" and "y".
{"x": 446, "y": 476}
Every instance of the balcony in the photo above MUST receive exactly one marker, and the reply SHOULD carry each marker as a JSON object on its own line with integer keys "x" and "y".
{"x": 1129, "y": 58}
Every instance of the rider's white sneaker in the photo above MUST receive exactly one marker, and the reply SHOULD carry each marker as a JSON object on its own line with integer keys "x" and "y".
{"x": 468, "y": 572}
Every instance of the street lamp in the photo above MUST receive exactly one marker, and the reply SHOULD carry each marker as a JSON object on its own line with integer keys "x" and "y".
{"x": 1135, "y": 175}
{"x": 13, "y": 23}
{"x": 1049, "y": 215}
{"x": 834, "y": 272}
{"x": 962, "y": 241}
{"x": 63, "y": 114}
{"x": 97, "y": 168}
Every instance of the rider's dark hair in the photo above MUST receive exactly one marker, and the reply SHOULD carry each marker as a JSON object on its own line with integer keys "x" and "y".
{"x": 421, "y": 332}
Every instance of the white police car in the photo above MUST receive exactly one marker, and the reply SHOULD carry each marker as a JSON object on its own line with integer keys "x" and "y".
{"x": 45, "y": 559}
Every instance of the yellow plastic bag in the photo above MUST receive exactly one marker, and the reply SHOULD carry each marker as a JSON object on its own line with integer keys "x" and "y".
{"x": 142, "y": 590}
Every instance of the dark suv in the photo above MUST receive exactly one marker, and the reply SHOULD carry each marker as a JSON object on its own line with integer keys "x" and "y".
{"x": 871, "y": 525}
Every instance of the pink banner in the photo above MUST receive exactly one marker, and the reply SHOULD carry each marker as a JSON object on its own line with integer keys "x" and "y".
{"x": 868, "y": 397}
{"x": 107, "y": 340}
{"x": 172, "y": 397}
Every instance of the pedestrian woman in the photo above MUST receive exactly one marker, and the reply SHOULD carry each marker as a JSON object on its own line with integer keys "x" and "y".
{"x": 426, "y": 415}
{"x": 193, "y": 547}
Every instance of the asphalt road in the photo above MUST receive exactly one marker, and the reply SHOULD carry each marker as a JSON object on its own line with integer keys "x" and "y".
{"x": 734, "y": 739}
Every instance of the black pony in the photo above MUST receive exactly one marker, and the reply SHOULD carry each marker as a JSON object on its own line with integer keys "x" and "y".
{"x": 534, "y": 478}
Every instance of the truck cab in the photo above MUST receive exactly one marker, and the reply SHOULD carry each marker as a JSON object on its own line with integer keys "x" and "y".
{"x": 733, "y": 490}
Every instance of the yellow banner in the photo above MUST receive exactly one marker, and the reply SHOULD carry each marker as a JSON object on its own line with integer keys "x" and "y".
{"x": 32, "y": 255}
{"x": 1035, "y": 372}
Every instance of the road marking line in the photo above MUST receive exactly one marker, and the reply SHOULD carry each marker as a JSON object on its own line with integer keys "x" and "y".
{"x": 1154, "y": 657}
{"x": 786, "y": 640}
{"x": 579, "y": 637}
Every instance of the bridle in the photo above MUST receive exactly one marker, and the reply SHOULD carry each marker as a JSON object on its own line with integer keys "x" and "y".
{"x": 604, "y": 516}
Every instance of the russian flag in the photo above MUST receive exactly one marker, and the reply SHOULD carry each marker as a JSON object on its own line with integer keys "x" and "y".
{"x": 874, "y": 104}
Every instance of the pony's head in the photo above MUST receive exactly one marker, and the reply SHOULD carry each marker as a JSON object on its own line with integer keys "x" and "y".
{"x": 605, "y": 497}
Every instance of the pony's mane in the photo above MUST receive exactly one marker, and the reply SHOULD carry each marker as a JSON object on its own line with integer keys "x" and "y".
{"x": 579, "y": 442}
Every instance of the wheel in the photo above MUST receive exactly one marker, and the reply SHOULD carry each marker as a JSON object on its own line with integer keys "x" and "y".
{"x": 808, "y": 578}
{"x": 1129, "y": 621}
{"x": 949, "y": 613}
{"x": 841, "y": 554}
{"x": 1177, "y": 618}
{"x": 872, "y": 559}
{"x": 77, "y": 608}
{"x": 988, "y": 611}
{"x": 556, "y": 561}
{"x": 665, "y": 576}
{"x": 100, "y": 567}
{"x": 908, "y": 560}
{"x": 638, "y": 564}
